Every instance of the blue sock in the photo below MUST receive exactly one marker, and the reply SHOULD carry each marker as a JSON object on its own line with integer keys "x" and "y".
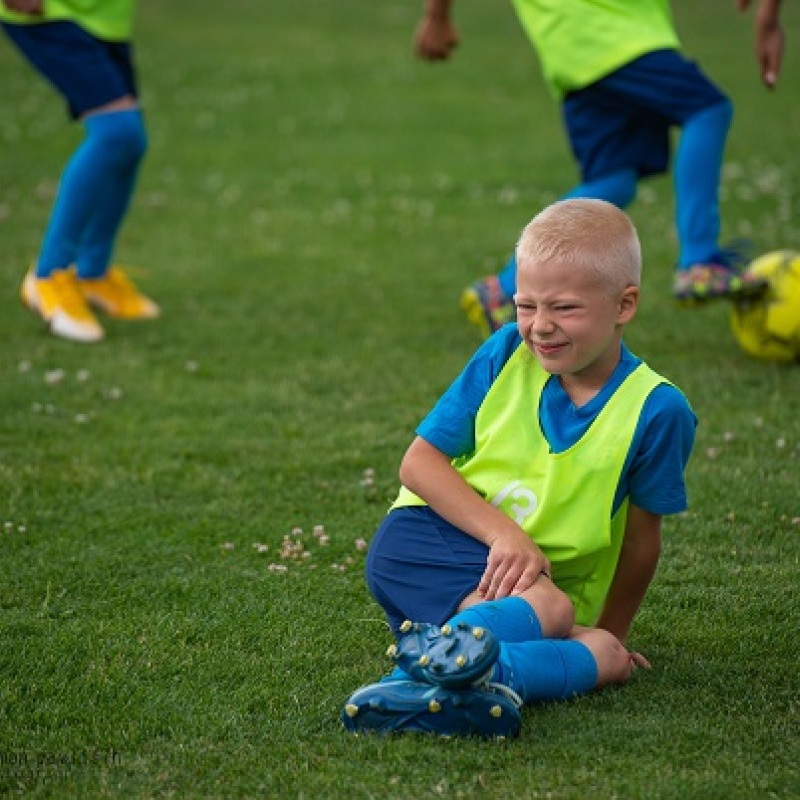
{"x": 94, "y": 194}
{"x": 511, "y": 619}
{"x": 550, "y": 669}
{"x": 698, "y": 163}
{"x": 618, "y": 188}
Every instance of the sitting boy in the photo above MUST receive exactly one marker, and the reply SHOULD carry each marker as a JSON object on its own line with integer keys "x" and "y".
{"x": 528, "y": 522}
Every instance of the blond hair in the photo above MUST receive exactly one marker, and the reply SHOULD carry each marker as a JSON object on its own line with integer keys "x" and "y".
{"x": 588, "y": 234}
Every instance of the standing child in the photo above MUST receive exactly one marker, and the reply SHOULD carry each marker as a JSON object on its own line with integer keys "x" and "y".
{"x": 529, "y": 516}
{"x": 623, "y": 85}
{"x": 84, "y": 50}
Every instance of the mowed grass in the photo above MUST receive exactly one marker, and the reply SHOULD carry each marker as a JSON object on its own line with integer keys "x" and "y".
{"x": 312, "y": 203}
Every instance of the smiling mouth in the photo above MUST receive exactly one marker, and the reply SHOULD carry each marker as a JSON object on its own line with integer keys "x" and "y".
{"x": 548, "y": 347}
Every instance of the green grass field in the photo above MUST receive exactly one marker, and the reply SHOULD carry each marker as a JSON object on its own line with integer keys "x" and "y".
{"x": 312, "y": 203}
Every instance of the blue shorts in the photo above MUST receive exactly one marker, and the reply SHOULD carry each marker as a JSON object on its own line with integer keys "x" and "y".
{"x": 420, "y": 567}
{"x": 623, "y": 120}
{"x": 87, "y": 71}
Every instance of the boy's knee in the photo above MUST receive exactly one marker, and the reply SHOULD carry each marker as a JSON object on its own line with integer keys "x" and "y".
{"x": 719, "y": 116}
{"x": 553, "y": 608}
{"x": 122, "y": 136}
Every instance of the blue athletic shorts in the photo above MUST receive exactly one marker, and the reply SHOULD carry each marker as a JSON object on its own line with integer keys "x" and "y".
{"x": 420, "y": 567}
{"x": 87, "y": 71}
{"x": 623, "y": 120}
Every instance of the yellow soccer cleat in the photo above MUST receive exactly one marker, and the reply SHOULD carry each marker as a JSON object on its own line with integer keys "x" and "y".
{"x": 115, "y": 294}
{"x": 58, "y": 300}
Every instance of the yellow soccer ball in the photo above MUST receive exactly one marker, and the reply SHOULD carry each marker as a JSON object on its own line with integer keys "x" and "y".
{"x": 768, "y": 326}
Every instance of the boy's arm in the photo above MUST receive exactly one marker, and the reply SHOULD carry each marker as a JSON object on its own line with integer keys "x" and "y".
{"x": 637, "y": 563}
{"x": 515, "y": 562}
{"x": 769, "y": 39}
{"x": 436, "y": 35}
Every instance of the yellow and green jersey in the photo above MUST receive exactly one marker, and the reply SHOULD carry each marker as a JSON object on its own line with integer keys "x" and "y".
{"x": 581, "y": 41}
{"x": 110, "y": 20}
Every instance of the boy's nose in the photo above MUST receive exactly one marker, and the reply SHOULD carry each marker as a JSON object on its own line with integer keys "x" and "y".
{"x": 543, "y": 323}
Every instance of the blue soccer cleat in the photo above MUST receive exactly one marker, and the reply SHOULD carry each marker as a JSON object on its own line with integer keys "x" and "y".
{"x": 489, "y": 711}
{"x": 453, "y": 656}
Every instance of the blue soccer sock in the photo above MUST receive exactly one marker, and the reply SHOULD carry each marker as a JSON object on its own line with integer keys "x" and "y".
{"x": 549, "y": 669}
{"x": 511, "y": 619}
{"x": 618, "y": 188}
{"x": 698, "y": 164}
{"x": 94, "y": 194}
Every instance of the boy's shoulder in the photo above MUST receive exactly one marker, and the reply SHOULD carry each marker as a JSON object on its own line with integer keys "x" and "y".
{"x": 498, "y": 349}
{"x": 665, "y": 397}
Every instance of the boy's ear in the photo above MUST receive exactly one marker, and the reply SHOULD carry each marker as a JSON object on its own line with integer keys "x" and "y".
{"x": 628, "y": 303}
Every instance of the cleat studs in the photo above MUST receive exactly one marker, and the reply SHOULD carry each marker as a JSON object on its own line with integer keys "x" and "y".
{"x": 460, "y": 661}
{"x": 406, "y": 626}
{"x": 434, "y": 706}
{"x": 424, "y": 661}
{"x": 351, "y": 710}
{"x": 496, "y": 712}
{"x": 391, "y": 650}
{"x": 478, "y": 633}
{"x": 446, "y": 630}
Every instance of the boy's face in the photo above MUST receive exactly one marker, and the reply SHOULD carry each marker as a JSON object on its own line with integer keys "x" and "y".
{"x": 570, "y": 321}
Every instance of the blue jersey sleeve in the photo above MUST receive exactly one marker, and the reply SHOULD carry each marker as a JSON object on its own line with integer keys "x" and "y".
{"x": 662, "y": 446}
{"x": 450, "y": 426}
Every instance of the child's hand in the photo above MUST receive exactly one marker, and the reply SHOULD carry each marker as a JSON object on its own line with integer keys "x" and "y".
{"x": 435, "y": 39}
{"x": 25, "y": 6}
{"x": 638, "y": 660}
{"x": 769, "y": 39}
{"x": 515, "y": 563}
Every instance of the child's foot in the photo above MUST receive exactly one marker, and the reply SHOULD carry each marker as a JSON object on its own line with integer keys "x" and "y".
{"x": 115, "y": 294}
{"x": 450, "y": 656}
{"x": 58, "y": 300}
{"x": 398, "y": 705}
{"x": 487, "y": 306}
{"x": 704, "y": 282}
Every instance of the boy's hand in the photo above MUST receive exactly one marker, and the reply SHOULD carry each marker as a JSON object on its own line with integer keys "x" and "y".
{"x": 515, "y": 563}
{"x": 638, "y": 660}
{"x": 435, "y": 39}
{"x": 25, "y": 6}
{"x": 769, "y": 39}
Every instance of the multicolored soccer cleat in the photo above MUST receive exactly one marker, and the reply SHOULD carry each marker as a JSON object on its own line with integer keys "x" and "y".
{"x": 724, "y": 276}
{"x": 489, "y": 711}
{"x": 451, "y": 656}
{"x": 704, "y": 282}
{"x": 487, "y": 306}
